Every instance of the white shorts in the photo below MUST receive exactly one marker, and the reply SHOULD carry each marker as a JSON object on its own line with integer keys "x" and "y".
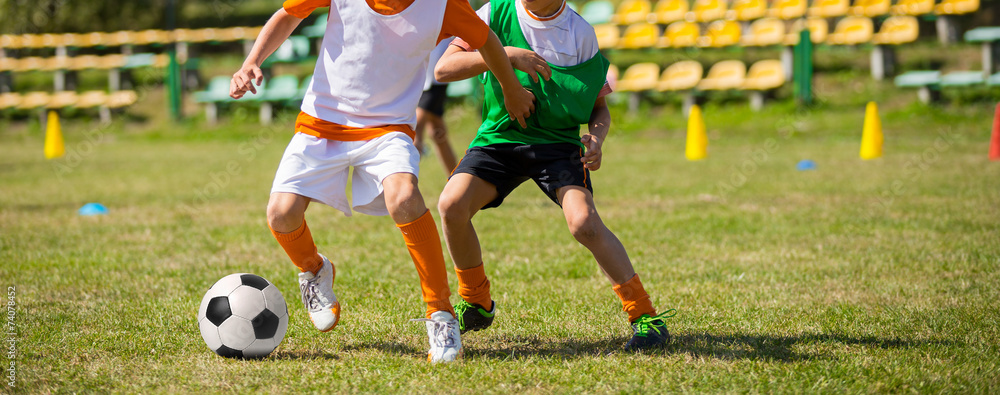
{"x": 317, "y": 168}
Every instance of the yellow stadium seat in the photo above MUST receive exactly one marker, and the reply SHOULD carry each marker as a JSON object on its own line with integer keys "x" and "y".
{"x": 721, "y": 34}
{"x": 870, "y": 8}
{"x": 764, "y": 32}
{"x": 829, "y": 8}
{"x": 57, "y": 63}
{"x": 109, "y": 62}
{"x": 956, "y": 7}
{"x": 58, "y": 40}
{"x": 120, "y": 38}
{"x": 680, "y": 34}
{"x": 242, "y": 33}
{"x": 8, "y": 64}
{"x": 727, "y": 74}
{"x": 898, "y": 30}
{"x": 32, "y": 41}
{"x": 764, "y": 75}
{"x": 912, "y": 7}
{"x": 121, "y": 99}
{"x": 787, "y": 9}
{"x": 818, "y": 31}
{"x": 91, "y": 99}
{"x": 203, "y": 35}
{"x": 61, "y": 100}
{"x": 669, "y": 11}
{"x": 92, "y": 39}
{"x": 631, "y": 11}
{"x": 147, "y": 37}
{"x": 680, "y": 76}
{"x": 184, "y": 35}
{"x": 707, "y": 11}
{"x": 607, "y": 35}
{"x": 852, "y": 30}
{"x": 10, "y": 41}
{"x": 747, "y": 10}
{"x": 30, "y": 64}
{"x": 639, "y": 77}
{"x": 9, "y": 100}
{"x": 84, "y": 62}
{"x": 639, "y": 35}
{"x": 33, "y": 100}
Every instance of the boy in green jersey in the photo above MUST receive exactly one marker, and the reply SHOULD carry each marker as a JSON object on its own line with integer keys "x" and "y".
{"x": 543, "y": 38}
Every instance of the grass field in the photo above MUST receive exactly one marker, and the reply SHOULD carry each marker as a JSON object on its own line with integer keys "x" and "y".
{"x": 861, "y": 276}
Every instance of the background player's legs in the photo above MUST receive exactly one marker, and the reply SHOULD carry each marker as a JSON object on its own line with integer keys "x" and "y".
{"x": 406, "y": 207}
{"x": 438, "y": 131}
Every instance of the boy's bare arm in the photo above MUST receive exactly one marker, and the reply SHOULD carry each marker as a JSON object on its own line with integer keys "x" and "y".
{"x": 599, "y": 125}
{"x": 456, "y": 65}
{"x": 275, "y": 31}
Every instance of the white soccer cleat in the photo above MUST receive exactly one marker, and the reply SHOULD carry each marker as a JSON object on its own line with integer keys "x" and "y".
{"x": 443, "y": 336}
{"x": 318, "y": 297}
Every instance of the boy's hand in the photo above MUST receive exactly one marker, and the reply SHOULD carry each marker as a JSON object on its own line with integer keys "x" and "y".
{"x": 592, "y": 158}
{"x": 520, "y": 104}
{"x": 244, "y": 80}
{"x": 529, "y": 62}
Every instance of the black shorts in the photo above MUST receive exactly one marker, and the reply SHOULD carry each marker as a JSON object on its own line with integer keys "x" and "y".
{"x": 432, "y": 100}
{"x": 506, "y": 166}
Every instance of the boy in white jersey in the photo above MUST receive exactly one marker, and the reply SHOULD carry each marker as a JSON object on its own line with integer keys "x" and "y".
{"x": 359, "y": 112}
{"x": 542, "y": 37}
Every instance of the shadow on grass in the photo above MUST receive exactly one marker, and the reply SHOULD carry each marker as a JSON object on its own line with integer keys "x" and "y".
{"x": 780, "y": 348}
{"x": 303, "y": 354}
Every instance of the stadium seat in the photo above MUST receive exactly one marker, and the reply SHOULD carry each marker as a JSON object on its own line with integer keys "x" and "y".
{"x": 56, "y": 63}
{"x": 870, "y": 8}
{"x": 240, "y": 33}
{"x": 304, "y": 86}
{"x": 32, "y": 41}
{"x": 852, "y": 30}
{"x": 33, "y": 100}
{"x": 30, "y": 64}
{"x": 294, "y": 49}
{"x": 92, "y": 99}
{"x": 764, "y": 32}
{"x": 669, "y": 11}
{"x": 680, "y": 76}
{"x": 281, "y": 88}
{"x": 8, "y": 64}
{"x": 639, "y": 77}
{"x": 216, "y": 91}
{"x": 121, "y": 99}
{"x": 88, "y": 40}
{"x": 725, "y": 75}
{"x": 928, "y": 83}
{"x": 787, "y": 9}
{"x": 747, "y": 10}
{"x": 764, "y": 75}
{"x": 58, "y": 40}
{"x": 962, "y": 79}
{"x": 317, "y": 29}
{"x": 706, "y": 11}
{"x": 993, "y": 80}
{"x": 597, "y": 11}
{"x": 461, "y": 88}
{"x": 10, "y": 41}
{"x": 680, "y": 34}
{"x": 113, "y": 61}
{"x": 912, "y": 7}
{"x": 120, "y": 38}
{"x": 829, "y": 8}
{"x": 632, "y": 11}
{"x": 818, "y": 31}
{"x": 61, "y": 100}
{"x": 639, "y": 35}
{"x": 9, "y": 100}
{"x": 607, "y": 35}
{"x": 956, "y": 7}
{"x": 720, "y": 34}
{"x": 897, "y": 30}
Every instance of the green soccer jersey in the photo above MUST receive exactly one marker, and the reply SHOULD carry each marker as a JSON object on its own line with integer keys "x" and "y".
{"x": 562, "y": 104}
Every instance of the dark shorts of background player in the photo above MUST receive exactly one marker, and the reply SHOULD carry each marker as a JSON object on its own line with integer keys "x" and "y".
{"x": 551, "y": 166}
{"x": 432, "y": 100}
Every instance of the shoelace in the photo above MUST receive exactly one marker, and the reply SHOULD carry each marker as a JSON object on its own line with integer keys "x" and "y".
{"x": 460, "y": 309}
{"x": 442, "y": 332}
{"x": 646, "y": 323}
{"x": 310, "y": 296}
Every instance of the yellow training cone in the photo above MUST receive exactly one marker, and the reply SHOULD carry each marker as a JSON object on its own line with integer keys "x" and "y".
{"x": 871, "y": 135}
{"x": 54, "y": 146}
{"x": 697, "y": 140}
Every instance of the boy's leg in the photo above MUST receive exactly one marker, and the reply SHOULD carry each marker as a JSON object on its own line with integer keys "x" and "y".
{"x": 439, "y": 135}
{"x": 461, "y": 199}
{"x": 286, "y": 218}
{"x": 588, "y": 229}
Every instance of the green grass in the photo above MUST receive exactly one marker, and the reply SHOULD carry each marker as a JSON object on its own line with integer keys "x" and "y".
{"x": 861, "y": 276}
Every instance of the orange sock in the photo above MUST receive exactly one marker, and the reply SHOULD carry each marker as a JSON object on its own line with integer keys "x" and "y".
{"x": 474, "y": 287}
{"x": 300, "y": 248}
{"x": 424, "y": 244}
{"x": 635, "y": 300}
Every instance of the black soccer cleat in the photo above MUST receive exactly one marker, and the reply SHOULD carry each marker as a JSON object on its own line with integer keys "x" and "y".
{"x": 473, "y": 317}
{"x": 649, "y": 332}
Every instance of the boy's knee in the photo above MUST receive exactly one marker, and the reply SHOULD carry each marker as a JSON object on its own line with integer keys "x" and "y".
{"x": 584, "y": 226}
{"x": 282, "y": 218}
{"x": 452, "y": 209}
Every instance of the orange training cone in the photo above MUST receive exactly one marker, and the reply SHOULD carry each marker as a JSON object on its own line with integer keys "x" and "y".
{"x": 871, "y": 135}
{"x": 697, "y": 141}
{"x": 54, "y": 146}
{"x": 995, "y": 140}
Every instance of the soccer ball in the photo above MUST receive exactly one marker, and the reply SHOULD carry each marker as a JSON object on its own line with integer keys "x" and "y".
{"x": 243, "y": 316}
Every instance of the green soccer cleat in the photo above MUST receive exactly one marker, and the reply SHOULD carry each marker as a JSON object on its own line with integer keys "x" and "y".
{"x": 473, "y": 317}
{"x": 649, "y": 332}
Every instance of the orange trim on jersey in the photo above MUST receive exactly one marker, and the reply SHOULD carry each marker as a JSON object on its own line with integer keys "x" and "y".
{"x": 547, "y": 18}
{"x": 388, "y": 7}
{"x": 461, "y": 21}
{"x": 308, "y": 124}
{"x": 302, "y": 8}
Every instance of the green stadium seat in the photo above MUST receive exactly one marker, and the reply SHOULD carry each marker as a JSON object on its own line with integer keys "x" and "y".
{"x": 993, "y": 80}
{"x": 281, "y": 88}
{"x": 597, "y": 11}
{"x": 928, "y": 83}
{"x": 962, "y": 79}
{"x": 463, "y": 88}
{"x": 304, "y": 87}
{"x": 293, "y": 50}
{"x": 216, "y": 91}
{"x": 317, "y": 29}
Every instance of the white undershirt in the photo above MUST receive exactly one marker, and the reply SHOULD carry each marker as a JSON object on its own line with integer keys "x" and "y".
{"x": 566, "y": 40}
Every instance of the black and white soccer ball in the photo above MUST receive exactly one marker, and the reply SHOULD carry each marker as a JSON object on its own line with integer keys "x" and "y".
{"x": 243, "y": 316}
